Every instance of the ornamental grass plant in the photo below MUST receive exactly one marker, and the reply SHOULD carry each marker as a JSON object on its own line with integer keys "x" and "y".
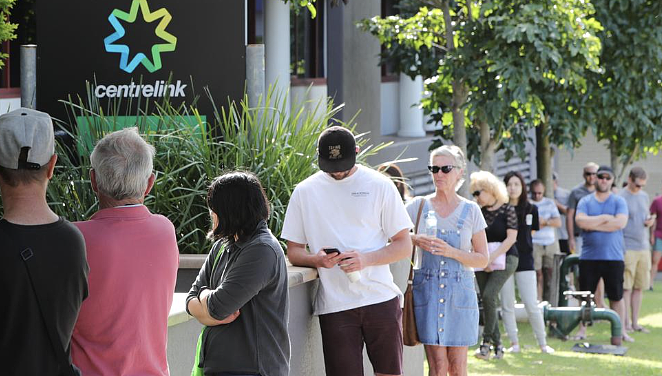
{"x": 276, "y": 141}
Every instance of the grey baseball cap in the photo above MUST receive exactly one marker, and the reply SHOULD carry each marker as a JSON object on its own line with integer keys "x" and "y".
{"x": 26, "y": 128}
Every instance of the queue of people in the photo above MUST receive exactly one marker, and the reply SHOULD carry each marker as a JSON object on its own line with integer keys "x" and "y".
{"x": 84, "y": 296}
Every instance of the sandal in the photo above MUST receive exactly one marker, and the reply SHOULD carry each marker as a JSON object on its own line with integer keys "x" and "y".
{"x": 641, "y": 329}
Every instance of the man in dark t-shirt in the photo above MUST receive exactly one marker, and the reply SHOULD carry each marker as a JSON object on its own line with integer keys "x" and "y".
{"x": 39, "y": 251}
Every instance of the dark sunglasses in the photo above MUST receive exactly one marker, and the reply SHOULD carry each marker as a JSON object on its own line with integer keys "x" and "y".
{"x": 476, "y": 193}
{"x": 604, "y": 177}
{"x": 445, "y": 169}
{"x": 590, "y": 173}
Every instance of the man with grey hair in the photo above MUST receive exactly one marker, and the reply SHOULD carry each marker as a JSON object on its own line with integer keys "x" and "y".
{"x": 123, "y": 328}
{"x": 43, "y": 271}
{"x": 637, "y": 257}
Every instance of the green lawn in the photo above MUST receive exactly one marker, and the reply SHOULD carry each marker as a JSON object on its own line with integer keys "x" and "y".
{"x": 644, "y": 356}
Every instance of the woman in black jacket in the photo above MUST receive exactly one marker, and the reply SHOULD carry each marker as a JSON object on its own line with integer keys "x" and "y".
{"x": 241, "y": 293}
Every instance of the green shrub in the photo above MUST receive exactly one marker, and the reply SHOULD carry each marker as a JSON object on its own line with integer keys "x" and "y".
{"x": 276, "y": 142}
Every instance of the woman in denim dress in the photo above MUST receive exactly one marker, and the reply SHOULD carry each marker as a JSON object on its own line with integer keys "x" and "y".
{"x": 445, "y": 302}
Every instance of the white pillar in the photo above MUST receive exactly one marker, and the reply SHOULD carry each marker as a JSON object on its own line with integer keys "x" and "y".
{"x": 411, "y": 115}
{"x": 277, "y": 44}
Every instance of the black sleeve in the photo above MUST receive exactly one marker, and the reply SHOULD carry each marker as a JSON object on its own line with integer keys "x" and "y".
{"x": 254, "y": 269}
{"x": 511, "y": 218}
{"x": 535, "y": 225}
{"x": 204, "y": 275}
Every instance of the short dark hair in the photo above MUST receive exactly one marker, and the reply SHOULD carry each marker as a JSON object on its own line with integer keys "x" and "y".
{"x": 238, "y": 200}
{"x": 536, "y": 182}
{"x": 14, "y": 178}
{"x": 637, "y": 173}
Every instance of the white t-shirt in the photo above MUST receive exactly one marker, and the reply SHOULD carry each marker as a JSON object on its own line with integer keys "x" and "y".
{"x": 360, "y": 212}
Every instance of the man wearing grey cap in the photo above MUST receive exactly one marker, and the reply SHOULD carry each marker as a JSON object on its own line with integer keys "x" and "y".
{"x": 346, "y": 214}
{"x": 602, "y": 217}
{"x": 43, "y": 269}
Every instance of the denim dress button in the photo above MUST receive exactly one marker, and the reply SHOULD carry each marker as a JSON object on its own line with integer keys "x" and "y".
{"x": 441, "y": 300}
{"x": 442, "y": 286}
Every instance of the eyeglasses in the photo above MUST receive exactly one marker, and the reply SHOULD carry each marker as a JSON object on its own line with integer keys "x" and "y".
{"x": 445, "y": 169}
{"x": 590, "y": 173}
{"x": 476, "y": 193}
{"x": 604, "y": 177}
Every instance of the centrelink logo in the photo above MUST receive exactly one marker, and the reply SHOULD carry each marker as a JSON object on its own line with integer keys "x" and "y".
{"x": 140, "y": 58}
{"x": 160, "y": 88}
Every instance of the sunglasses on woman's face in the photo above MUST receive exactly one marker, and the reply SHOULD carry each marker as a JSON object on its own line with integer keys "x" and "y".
{"x": 445, "y": 169}
{"x": 476, "y": 193}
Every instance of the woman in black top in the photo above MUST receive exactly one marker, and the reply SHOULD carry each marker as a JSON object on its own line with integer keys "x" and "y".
{"x": 491, "y": 195}
{"x": 525, "y": 276}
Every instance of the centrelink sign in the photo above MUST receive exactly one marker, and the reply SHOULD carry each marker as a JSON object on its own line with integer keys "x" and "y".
{"x": 140, "y": 49}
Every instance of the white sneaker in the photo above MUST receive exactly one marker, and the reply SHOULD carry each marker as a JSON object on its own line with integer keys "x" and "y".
{"x": 514, "y": 349}
{"x": 546, "y": 349}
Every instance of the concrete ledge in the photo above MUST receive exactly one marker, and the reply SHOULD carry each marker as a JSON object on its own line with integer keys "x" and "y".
{"x": 178, "y": 313}
{"x": 296, "y": 275}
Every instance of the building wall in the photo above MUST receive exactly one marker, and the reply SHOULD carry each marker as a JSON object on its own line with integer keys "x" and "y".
{"x": 569, "y": 164}
{"x": 361, "y": 71}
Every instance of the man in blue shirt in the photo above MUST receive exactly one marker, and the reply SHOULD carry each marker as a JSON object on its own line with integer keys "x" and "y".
{"x": 602, "y": 217}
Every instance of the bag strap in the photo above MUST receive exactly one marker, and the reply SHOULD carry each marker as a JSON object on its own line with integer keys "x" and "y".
{"x": 413, "y": 249}
{"x": 27, "y": 255}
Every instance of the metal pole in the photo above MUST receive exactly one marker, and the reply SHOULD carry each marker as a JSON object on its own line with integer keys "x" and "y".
{"x": 29, "y": 76}
{"x": 255, "y": 83}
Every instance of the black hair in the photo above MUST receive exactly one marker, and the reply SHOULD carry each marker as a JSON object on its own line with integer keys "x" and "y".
{"x": 523, "y": 204}
{"x": 238, "y": 200}
{"x": 393, "y": 171}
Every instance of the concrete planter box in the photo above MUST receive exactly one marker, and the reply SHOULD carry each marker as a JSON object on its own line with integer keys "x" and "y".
{"x": 307, "y": 357}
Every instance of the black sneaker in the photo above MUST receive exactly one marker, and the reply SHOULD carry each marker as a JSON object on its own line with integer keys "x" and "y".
{"x": 483, "y": 352}
{"x": 498, "y": 352}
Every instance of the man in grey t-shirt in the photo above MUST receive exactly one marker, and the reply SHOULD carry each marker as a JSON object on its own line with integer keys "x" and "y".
{"x": 574, "y": 232}
{"x": 637, "y": 258}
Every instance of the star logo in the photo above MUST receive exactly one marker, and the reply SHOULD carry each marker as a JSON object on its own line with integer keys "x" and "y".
{"x": 140, "y": 58}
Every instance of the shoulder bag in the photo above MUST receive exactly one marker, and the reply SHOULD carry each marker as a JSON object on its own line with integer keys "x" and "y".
{"x": 409, "y": 332}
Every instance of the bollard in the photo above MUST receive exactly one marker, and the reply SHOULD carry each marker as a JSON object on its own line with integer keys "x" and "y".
{"x": 255, "y": 74}
{"x": 29, "y": 76}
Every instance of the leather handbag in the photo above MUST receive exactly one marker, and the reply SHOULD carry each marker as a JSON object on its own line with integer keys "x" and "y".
{"x": 409, "y": 332}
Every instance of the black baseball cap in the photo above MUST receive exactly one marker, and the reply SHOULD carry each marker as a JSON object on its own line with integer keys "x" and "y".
{"x": 605, "y": 169}
{"x": 336, "y": 149}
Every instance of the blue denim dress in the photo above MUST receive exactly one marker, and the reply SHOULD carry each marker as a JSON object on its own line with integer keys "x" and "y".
{"x": 445, "y": 301}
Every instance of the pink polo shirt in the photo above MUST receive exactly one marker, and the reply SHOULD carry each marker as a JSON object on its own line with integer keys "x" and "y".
{"x": 122, "y": 328}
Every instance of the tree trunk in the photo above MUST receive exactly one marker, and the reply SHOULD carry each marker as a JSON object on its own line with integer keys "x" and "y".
{"x": 460, "y": 93}
{"x": 487, "y": 147}
{"x": 618, "y": 167}
{"x": 544, "y": 158}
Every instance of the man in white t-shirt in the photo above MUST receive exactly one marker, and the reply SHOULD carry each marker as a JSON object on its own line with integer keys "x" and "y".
{"x": 353, "y": 210}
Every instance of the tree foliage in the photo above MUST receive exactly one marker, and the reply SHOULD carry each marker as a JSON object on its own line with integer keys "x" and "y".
{"x": 6, "y": 28}
{"x": 626, "y": 95}
{"x": 522, "y": 63}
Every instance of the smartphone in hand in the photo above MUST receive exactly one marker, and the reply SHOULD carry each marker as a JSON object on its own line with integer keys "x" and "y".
{"x": 330, "y": 251}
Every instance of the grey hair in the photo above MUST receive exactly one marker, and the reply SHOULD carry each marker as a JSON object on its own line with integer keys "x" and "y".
{"x": 122, "y": 163}
{"x": 458, "y": 160}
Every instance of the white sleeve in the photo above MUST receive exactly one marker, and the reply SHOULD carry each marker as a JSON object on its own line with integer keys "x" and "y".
{"x": 293, "y": 229}
{"x": 394, "y": 215}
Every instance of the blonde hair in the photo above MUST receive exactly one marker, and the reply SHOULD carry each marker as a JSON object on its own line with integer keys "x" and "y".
{"x": 486, "y": 181}
{"x": 458, "y": 160}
